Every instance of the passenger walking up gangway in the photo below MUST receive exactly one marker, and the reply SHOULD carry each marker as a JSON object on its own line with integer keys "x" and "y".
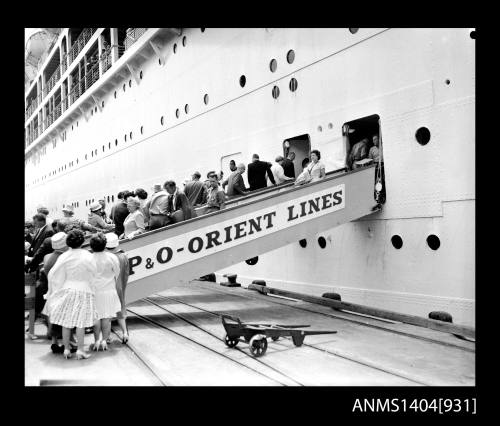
{"x": 249, "y": 226}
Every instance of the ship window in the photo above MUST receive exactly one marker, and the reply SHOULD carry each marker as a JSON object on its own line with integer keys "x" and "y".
{"x": 252, "y": 261}
{"x": 290, "y": 56}
{"x": 124, "y": 86}
{"x": 433, "y": 242}
{"x": 77, "y": 124}
{"x": 186, "y": 108}
{"x": 130, "y": 135}
{"x": 184, "y": 41}
{"x": 330, "y": 126}
{"x": 301, "y": 146}
{"x": 85, "y": 156}
{"x": 293, "y": 85}
{"x": 473, "y": 34}
{"x": 177, "y": 112}
{"x": 175, "y": 47}
{"x": 102, "y": 104}
{"x": 130, "y": 83}
{"x": 92, "y": 153}
{"x": 243, "y": 81}
{"x": 447, "y": 81}
{"x": 273, "y": 65}
{"x": 109, "y": 145}
{"x": 71, "y": 127}
{"x": 125, "y": 137}
{"x": 320, "y": 129}
{"x": 142, "y": 130}
{"x": 397, "y": 241}
{"x": 108, "y": 198}
{"x": 116, "y": 142}
{"x": 140, "y": 74}
{"x": 276, "y": 92}
{"x": 423, "y": 135}
{"x": 322, "y": 242}
{"x": 103, "y": 148}
{"x": 77, "y": 161}
{"x": 161, "y": 120}
{"x": 96, "y": 152}
{"x": 115, "y": 94}
{"x": 353, "y": 30}
{"x": 95, "y": 109}
{"x": 112, "y": 198}
{"x": 91, "y": 112}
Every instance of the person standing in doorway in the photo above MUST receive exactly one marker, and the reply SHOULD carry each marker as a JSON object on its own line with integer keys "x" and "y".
{"x": 288, "y": 166}
{"x": 257, "y": 171}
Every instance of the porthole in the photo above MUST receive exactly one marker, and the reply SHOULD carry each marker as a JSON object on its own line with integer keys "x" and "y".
{"x": 91, "y": 112}
{"x": 92, "y": 153}
{"x": 109, "y": 145}
{"x": 293, "y": 85}
{"x": 85, "y": 156}
{"x": 115, "y": 94}
{"x": 273, "y": 65}
{"x": 130, "y": 83}
{"x": 102, "y": 104}
{"x": 77, "y": 161}
{"x": 177, "y": 112}
{"x": 161, "y": 120}
{"x": 95, "y": 109}
{"x": 473, "y": 34}
{"x": 423, "y": 135}
{"x": 124, "y": 86}
{"x": 322, "y": 242}
{"x": 330, "y": 126}
{"x": 175, "y": 47}
{"x": 202, "y": 30}
{"x": 447, "y": 81}
{"x": 252, "y": 261}
{"x": 103, "y": 148}
{"x": 112, "y": 198}
{"x": 433, "y": 242}
{"x": 290, "y": 56}
{"x": 159, "y": 61}
{"x": 71, "y": 127}
{"x": 303, "y": 243}
{"x": 96, "y": 152}
{"x": 116, "y": 142}
{"x": 205, "y": 99}
{"x": 108, "y": 198}
{"x": 320, "y": 129}
{"x": 142, "y": 130}
{"x": 186, "y": 108}
{"x": 125, "y": 137}
{"x": 276, "y": 92}
{"x": 353, "y": 30}
{"x": 397, "y": 241}
{"x": 77, "y": 124}
{"x": 243, "y": 81}
{"x": 130, "y": 135}
{"x": 184, "y": 41}
{"x": 140, "y": 74}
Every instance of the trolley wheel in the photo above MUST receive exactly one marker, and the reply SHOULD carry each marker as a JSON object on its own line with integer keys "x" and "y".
{"x": 258, "y": 345}
{"x": 230, "y": 341}
{"x": 274, "y": 338}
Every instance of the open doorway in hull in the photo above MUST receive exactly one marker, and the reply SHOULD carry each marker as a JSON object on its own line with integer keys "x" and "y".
{"x": 301, "y": 146}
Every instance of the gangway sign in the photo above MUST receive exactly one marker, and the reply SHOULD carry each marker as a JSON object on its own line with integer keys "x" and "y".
{"x": 179, "y": 253}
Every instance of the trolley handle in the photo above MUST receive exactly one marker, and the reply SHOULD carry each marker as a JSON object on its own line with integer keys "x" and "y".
{"x": 229, "y": 317}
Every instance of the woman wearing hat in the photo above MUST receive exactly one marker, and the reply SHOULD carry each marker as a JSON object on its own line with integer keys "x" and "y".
{"x": 112, "y": 245}
{"x": 95, "y": 218}
{"x": 106, "y": 298}
{"x": 73, "y": 303}
{"x": 134, "y": 222}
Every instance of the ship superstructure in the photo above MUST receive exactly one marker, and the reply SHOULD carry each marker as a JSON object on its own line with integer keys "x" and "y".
{"x": 118, "y": 108}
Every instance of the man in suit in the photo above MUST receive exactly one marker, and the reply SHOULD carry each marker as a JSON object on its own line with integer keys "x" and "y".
{"x": 288, "y": 166}
{"x": 177, "y": 202}
{"x": 43, "y": 232}
{"x": 195, "y": 190}
{"x": 235, "y": 183}
{"x": 257, "y": 171}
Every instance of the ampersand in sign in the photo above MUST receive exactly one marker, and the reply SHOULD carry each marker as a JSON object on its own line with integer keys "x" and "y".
{"x": 149, "y": 264}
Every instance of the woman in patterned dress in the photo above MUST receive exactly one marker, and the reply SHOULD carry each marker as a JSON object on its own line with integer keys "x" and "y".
{"x": 73, "y": 304}
{"x": 106, "y": 298}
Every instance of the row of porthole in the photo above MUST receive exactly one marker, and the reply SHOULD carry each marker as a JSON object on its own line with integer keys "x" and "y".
{"x": 186, "y": 109}
{"x": 110, "y": 199}
{"x": 292, "y": 86}
{"x": 433, "y": 242}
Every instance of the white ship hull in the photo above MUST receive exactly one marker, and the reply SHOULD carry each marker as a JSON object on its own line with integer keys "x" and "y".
{"x": 399, "y": 74}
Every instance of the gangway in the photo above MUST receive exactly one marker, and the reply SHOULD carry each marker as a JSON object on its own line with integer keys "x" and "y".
{"x": 249, "y": 226}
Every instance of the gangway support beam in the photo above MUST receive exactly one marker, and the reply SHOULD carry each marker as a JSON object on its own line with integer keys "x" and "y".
{"x": 96, "y": 101}
{"x": 133, "y": 73}
{"x": 157, "y": 52}
{"x": 181, "y": 252}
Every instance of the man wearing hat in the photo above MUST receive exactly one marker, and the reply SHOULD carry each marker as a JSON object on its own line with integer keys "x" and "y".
{"x": 96, "y": 220}
{"x": 195, "y": 190}
{"x": 71, "y": 222}
{"x": 112, "y": 245}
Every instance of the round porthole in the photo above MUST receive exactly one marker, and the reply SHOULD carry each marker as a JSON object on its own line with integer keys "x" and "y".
{"x": 303, "y": 243}
{"x": 130, "y": 83}
{"x": 177, "y": 112}
{"x": 273, "y": 65}
{"x": 96, "y": 152}
{"x": 205, "y": 99}
{"x": 124, "y": 86}
{"x": 447, "y": 81}
{"x": 330, "y": 126}
{"x": 115, "y": 94}
{"x": 293, "y": 85}
{"x": 130, "y": 135}
{"x": 397, "y": 241}
{"x": 142, "y": 130}
{"x": 186, "y": 108}
{"x": 140, "y": 74}
{"x": 125, "y": 137}
{"x": 102, "y": 104}
{"x": 290, "y": 56}
{"x": 161, "y": 120}
{"x": 433, "y": 242}
{"x": 252, "y": 261}
{"x": 85, "y": 156}
{"x": 116, "y": 142}
{"x": 175, "y": 47}
{"x": 276, "y": 92}
{"x": 95, "y": 109}
{"x": 320, "y": 129}
{"x": 109, "y": 145}
{"x": 243, "y": 81}
{"x": 103, "y": 148}
{"x": 77, "y": 124}
{"x": 423, "y": 135}
{"x": 71, "y": 127}
{"x": 353, "y": 30}
{"x": 322, "y": 242}
{"x": 91, "y": 112}
{"x": 184, "y": 41}
{"x": 473, "y": 34}
{"x": 159, "y": 61}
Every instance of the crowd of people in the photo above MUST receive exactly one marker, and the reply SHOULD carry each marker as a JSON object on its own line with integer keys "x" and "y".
{"x": 83, "y": 290}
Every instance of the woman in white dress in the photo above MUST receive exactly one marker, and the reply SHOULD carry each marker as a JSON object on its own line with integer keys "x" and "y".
{"x": 106, "y": 298}
{"x": 73, "y": 303}
{"x": 316, "y": 168}
{"x": 134, "y": 222}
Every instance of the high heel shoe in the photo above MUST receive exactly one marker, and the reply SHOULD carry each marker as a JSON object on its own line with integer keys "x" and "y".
{"x": 82, "y": 355}
{"x": 67, "y": 354}
{"x": 96, "y": 345}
